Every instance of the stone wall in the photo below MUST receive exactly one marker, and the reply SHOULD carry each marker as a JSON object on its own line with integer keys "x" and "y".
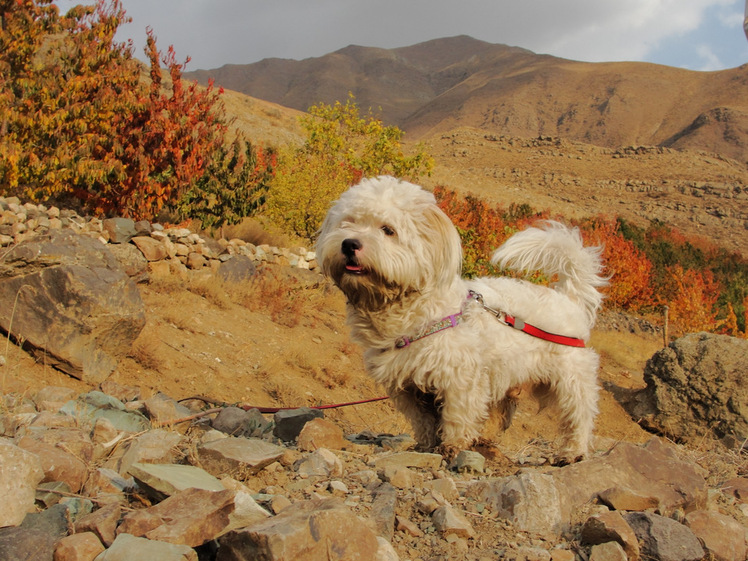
{"x": 165, "y": 248}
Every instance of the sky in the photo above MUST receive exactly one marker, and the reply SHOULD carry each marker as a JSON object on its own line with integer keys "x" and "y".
{"x": 703, "y": 35}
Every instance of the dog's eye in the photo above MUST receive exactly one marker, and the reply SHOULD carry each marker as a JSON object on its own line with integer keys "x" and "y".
{"x": 387, "y": 230}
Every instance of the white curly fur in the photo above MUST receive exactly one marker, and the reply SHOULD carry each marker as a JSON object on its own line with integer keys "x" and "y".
{"x": 397, "y": 257}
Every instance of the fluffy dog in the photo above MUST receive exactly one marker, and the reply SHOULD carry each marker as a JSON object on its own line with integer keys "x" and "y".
{"x": 448, "y": 349}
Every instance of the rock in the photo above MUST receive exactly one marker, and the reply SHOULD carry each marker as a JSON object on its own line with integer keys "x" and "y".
{"x": 94, "y": 405}
{"x": 695, "y": 386}
{"x": 468, "y": 461}
{"x": 664, "y": 539}
{"x": 151, "y": 249}
{"x": 623, "y": 498}
{"x": 723, "y": 537}
{"x": 49, "y": 494}
{"x": 58, "y": 465}
{"x": 102, "y": 523}
{"x": 321, "y": 433}
{"x": 78, "y": 547}
{"x": 54, "y": 521}
{"x": 132, "y": 261}
{"x": 246, "y": 510}
{"x": 652, "y": 469}
{"x": 71, "y": 302}
{"x": 235, "y": 421}
{"x": 235, "y": 456}
{"x": 404, "y": 525}
{"x": 52, "y": 398}
{"x": 161, "y": 408}
{"x": 163, "y": 480}
{"x": 610, "y": 526}
{"x": 191, "y": 517}
{"x": 409, "y": 459}
{"x": 119, "y": 230}
{"x": 531, "y": 501}
{"x": 28, "y": 545}
{"x": 237, "y": 269}
{"x": 382, "y": 513}
{"x": 316, "y": 530}
{"x": 157, "y": 446}
{"x": 127, "y": 548}
{"x": 449, "y": 521}
{"x": 609, "y": 551}
{"x": 288, "y": 423}
{"x": 20, "y": 472}
{"x": 320, "y": 463}
{"x": 445, "y": 487}
{"x": 385, "y": 551}
{"x": 398, "y": 476}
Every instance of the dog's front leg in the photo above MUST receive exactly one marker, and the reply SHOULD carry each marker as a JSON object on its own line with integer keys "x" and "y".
{"x": 462, "y": 416}
{"x": 421, "y": 411}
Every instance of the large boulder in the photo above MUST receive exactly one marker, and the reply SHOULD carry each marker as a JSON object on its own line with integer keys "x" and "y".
{"x": 68, "y": 299}
{"x": 696, "y": 386}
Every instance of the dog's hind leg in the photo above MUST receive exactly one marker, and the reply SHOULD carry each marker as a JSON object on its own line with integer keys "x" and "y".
{"x": 421, "y": 410}
{"x": 576, "y": 391}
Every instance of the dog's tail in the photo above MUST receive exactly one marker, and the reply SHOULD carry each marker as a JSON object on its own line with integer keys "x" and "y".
{"x": 555, "y": 249}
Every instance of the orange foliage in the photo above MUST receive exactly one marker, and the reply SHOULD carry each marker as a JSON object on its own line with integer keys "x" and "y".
{"x": 631, "y": 272}
{"x": 691, "y": 297}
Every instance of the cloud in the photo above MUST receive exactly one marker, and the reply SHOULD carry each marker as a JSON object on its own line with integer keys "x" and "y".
{"x": 216, "y": 32}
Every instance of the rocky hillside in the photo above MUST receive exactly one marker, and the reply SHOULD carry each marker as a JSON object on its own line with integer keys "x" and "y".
{"x": 438, "y": 85}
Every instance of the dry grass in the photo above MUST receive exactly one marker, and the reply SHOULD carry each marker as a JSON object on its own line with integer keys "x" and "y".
{"x": 252, "y": 231}
{"x": 147, "y": 354}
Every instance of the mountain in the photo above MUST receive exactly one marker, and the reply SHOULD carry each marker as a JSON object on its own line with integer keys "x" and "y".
{"x": 433, "y": 87}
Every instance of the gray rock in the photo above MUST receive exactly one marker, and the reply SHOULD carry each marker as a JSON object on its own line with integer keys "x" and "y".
{"x": 20, "y": 473}
{"x": 54, "y": 521}
{"x": 237, "y": 269}
{"x": 120, "y": 230}
{"x": 163, "y": 480}
{"x": 382, "y": 513}
{"x": 468, "y": 461}
{"x": 20, "y": 544}
{"x": 230, "y": 456}
{"x": 67, "y": 297}
{"x": 531, "y": 501}
{"x": 238, "y": 422}
{"x": 695, "y": 386}
{"x": 127, "y": 548}
{"x": 288, "y": 423}
{"x": 664, "y": 539}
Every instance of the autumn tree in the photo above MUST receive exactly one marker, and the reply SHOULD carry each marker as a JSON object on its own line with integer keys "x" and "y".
{"x": 77, "y": 119}
{"x": 340, "y": 148}
{"x": 233, "y": 187}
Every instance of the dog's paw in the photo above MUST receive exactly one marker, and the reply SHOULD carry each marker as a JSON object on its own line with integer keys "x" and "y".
{"x": 448, "y": 451}
{"x": 487, "y": 449}
{"x": 566, "y": 459}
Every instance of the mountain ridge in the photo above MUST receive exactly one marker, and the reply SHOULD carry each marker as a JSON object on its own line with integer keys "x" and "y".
{"x": 432, "y": 87}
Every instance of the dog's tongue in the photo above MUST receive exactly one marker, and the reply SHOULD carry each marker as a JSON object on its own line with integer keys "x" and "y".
{"x": 353, "y": 268}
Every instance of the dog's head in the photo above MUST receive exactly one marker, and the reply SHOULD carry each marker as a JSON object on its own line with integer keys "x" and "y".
{"x": 384, "y": 238}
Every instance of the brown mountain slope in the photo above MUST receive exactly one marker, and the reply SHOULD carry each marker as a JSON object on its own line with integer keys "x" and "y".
{"x": 442, "y": 84}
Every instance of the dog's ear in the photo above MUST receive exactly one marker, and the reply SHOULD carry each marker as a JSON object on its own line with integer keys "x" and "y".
{"x": 446, "y": 247}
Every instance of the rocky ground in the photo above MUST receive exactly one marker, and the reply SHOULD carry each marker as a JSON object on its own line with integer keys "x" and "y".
{"x": 81, "y": 455}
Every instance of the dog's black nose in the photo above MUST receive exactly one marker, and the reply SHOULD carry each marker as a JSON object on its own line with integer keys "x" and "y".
{"x": 350, "y": 246}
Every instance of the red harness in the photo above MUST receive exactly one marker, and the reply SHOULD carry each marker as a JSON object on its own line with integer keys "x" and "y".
{"x": 454, "y": 320}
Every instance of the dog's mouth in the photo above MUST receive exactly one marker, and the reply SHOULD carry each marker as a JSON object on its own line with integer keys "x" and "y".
{"x": 352, "y": 267}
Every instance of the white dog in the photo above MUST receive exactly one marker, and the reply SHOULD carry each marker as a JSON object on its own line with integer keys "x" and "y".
{"x": 448, "y": 349}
